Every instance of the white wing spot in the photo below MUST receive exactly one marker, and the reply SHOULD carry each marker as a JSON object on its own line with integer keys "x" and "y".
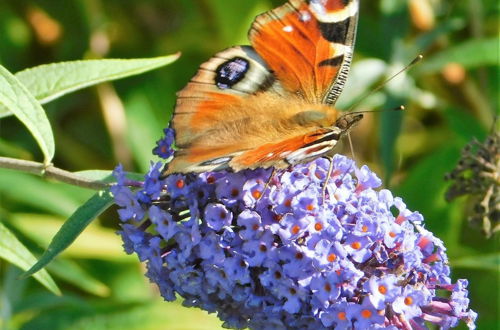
{"x": 304, "y": 16}
{"x": 317, "y": 7}
{"x": 288, "y": 28}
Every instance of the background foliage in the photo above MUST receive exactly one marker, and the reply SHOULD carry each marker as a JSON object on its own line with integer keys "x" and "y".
{"x": 450, "y": 97}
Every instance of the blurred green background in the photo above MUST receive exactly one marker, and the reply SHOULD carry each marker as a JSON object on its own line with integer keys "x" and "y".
{"x": 451, "y": 97}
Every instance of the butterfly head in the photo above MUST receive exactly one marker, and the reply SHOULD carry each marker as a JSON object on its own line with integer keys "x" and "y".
{"x": 347, "y": 121}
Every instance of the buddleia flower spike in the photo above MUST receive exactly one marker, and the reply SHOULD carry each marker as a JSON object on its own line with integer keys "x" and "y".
{"x": 281, "y": 258}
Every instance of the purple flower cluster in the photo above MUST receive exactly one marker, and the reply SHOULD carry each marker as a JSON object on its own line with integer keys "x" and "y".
{"x": 281, "y": 257}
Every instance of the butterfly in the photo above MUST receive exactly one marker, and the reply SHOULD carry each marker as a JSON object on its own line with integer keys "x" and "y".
{"x": 270, "y": 104}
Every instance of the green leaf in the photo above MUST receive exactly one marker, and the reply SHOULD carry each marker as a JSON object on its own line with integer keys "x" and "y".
{"x": 16, "y": 98}
{"x": 130, "y": 315}
{"x": 464, "y": 125}
{"x": 390, "y": 127}
{"x": 424, "y": 189}
{"x": 70, "y": 230}
{"x": 16, "y": 253}
{"x": 96, "y": 242}
{"x": 32, "y": 191}
{"x": 71, "y": 272}
{"x": 50, "y": 81}
{"x": 490, "y": 262}
{"x": 470, "y": 54}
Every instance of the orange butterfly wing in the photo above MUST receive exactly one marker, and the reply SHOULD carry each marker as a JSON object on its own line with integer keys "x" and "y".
{"x": 204, "y": 101}
{"x": 308, "y": 45}
{"x": 246, "y": 102}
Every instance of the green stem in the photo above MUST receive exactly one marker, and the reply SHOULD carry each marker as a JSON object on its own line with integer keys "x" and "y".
{"x": 49, "y": 171}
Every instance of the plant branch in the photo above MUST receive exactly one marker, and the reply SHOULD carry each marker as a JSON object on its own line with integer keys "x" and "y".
{"x": 49, "y": 171}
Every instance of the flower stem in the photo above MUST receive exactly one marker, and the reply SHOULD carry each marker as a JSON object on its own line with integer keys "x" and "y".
{"x": 49, "y": 171}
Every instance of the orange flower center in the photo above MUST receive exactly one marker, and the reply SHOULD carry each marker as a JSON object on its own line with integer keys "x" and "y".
{"x": 318, "y": 226}
{"x": 356, "y": 245}
{"x": 256, "y": 194}
{"x": 179, "y": 184}
{"x": 366, "y": 313}
{"x": 408, "y": 301}
{"x": 364, "y": 229}
{"x": 341, "y": 316}
{"x": 295, "y": 230}
{"x": 331, "y": 257}
{"x": 382, "y": 289}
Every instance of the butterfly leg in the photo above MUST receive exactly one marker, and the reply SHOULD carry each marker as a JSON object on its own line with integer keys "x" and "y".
{"x": 328, "y": 176}
{"x": 268, "y": 182}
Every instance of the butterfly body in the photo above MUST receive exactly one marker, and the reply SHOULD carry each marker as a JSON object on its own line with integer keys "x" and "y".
{"x": 269, "y": 104}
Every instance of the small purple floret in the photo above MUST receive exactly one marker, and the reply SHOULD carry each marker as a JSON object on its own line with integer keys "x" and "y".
{"x": 164, "y": 147}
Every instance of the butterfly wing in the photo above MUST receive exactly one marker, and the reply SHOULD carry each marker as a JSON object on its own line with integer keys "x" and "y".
{"x": 258, "y": 107}
{"x": 220, "y": 83}
{"x": 308, "y": 45}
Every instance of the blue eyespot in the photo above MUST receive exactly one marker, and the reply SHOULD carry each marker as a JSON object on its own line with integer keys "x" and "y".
{"x": 231, "y": 72}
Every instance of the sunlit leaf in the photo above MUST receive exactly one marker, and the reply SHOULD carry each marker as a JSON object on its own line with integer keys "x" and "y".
{"x": 95, "y": 242}
{"x": 131, "y": 315}
{"x": 73, "y": 227}
{"x": 50, "y": 81}
{"x": 16, "y": 253}
{"x": 18, "y": 100}
{"x": 72, "y": 273}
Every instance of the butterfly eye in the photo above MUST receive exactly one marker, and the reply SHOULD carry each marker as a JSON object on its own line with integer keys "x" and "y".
{"x": 345, "y": 122}
{"x": 231, "y": 72}
{"x": 342, "y": 123}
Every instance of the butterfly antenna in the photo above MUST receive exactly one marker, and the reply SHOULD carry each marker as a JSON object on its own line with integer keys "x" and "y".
{"x": 398, "y": 108}
{"x": 407, "y": 67}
